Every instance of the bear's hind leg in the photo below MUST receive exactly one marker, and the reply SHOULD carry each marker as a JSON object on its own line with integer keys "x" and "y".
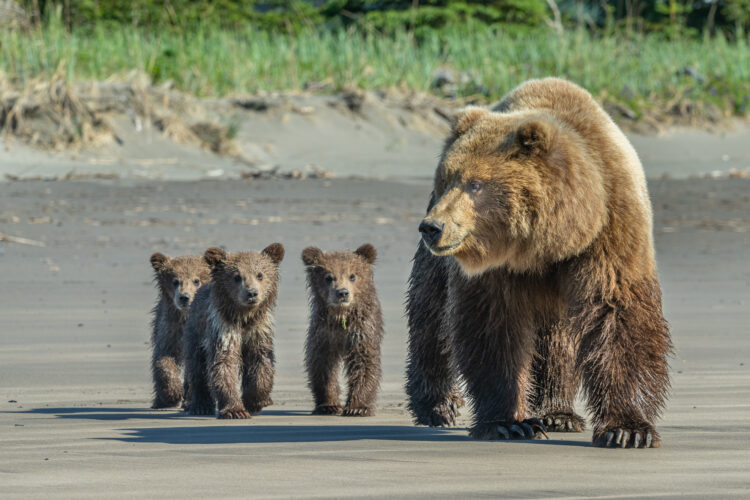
{"x": 556, "y": 380}
{"x": 623, "y": 359}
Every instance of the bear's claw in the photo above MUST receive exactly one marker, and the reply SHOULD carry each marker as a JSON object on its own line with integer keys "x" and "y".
{"x": 357, "y": 412}
{"x": 531, "y": 428}
{"x": 234, "y": 414}
{"x": 563, "y": 422}
{"x": 327, "y": 410}
{"x": 620, "y": 437}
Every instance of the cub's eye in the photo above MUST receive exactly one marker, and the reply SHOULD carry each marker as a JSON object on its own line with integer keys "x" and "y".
{"x": 329, "y": 279}
{"x": 352, "y": 277}
{"x": 475, "y": 186}
{"x": 237, "y": 278}
{"x": 175, "y": 282}
{"x": 197, "y": 282}
{"x": 260, "y": 276}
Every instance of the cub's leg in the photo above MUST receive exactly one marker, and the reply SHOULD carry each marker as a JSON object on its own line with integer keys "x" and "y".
{"x": 198, "y": 395}
{"x": 322, "y": 363}
{"x": 257, "y": 378}
{"x": 363, "y": 372}
{"x": 165, "y": 369}
{"x": 224, "y": 373}
{"x": 623, "y": 358}
{"x": 431, "y": 387}
{"x": 556, "y": 380}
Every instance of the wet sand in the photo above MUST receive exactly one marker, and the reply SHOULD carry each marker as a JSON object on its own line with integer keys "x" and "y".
{"x": 74, "y": 358}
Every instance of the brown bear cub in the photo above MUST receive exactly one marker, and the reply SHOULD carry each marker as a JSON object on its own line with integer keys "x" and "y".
{"x": 228, "y": 339}
{"x": 178, "y": 279}
{"x": 346, "y": 324}
{"x": 536, "y": 273}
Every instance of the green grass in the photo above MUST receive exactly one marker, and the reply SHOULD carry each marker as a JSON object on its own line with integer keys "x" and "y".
{"x": 642, "y": 73}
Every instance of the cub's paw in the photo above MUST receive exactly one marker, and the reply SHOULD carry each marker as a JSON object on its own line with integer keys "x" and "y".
{"x": 327, "y": 410}
{"x": 254, "y": 407}
{"x": 442, "y": 415}
{"x": 234, "y": 413}
{"x": 361, "y": 411}
{"x": 159, "y": 404}
{"x": 200, "y": 409}
{"x": 531, "y": 428}
{"x": 563, "y": 421}
{"x": 636, "y": 436}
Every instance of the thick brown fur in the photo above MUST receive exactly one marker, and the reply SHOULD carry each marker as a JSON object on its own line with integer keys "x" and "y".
{"x": 346, "y": 325}
{"x": 228, "y": 340}
{"x": 177, "y": 279}
{"x": 537, "y": 273}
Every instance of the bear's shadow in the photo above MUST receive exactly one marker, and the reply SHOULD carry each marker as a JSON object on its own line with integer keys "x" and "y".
{"x": 105, "y": 413}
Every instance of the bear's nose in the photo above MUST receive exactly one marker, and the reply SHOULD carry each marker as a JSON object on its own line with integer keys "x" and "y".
{"x": 342, "y": 293}
{"x": 252, "y": 293}
{"x": 184, "y": 299}
{"x": 431, "y": 230}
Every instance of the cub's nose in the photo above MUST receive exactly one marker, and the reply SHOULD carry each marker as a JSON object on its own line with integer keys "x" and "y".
{"x": 431, "y": 230}
{"x": 342, "y": 294}
{"x": 184, "y": 299}
{"x": 252, "y": 294}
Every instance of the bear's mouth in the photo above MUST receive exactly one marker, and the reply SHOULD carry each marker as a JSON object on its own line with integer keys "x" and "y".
{"x": 447, "y": 249}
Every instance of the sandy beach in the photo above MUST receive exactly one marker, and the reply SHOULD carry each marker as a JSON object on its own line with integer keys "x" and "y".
{"x": 74, "y": 363}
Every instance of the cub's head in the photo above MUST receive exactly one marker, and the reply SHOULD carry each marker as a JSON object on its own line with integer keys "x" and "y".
{"x": 179, "y": 277}
{"x": 245, "y": 279}
{"x": 515, "y": 190}
{"x": 340, "y": 279}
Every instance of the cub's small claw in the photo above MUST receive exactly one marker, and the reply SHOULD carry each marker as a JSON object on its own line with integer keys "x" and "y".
{"x": 610, "y": 436}
{"x": 502, "y": 430}
{"x": 327, "y": 410}
{"x": 234, "y": 414}
{"x": 622, "y": 437}
{"x": 637, "y": 440}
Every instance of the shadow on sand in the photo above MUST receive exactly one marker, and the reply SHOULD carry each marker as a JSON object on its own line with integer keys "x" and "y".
{"x": 105, "y": 413}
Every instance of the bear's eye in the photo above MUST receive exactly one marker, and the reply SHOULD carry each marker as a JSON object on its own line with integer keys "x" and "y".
{"x": 237, "y": 278}
{"x": 475, "y": 186}
{"x": 352, "y": 277}
{"x": 175, "y": 282}
{"x": 197, "y": 282}
{"x": 260, "y": 276}
{"x": 329, "y": 278}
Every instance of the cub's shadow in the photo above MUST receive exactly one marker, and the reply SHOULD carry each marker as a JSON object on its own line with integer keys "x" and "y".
{"x": 105, "y": 413}
{"x": 264, "y": 434}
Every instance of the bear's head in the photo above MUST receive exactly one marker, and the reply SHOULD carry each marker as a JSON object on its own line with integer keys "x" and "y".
{"x": 515, "y": 190}
{"x": 245, "y": 280}
{"x": 179, "y": 278}
{"x": 340, "y": 279}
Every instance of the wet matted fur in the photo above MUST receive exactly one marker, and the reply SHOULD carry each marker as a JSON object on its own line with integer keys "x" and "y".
{"x": 346, "y": 324}
{"x": 536, "y": 273}
{"x": 228, "y": 339}
{"x": 177, "y": 279}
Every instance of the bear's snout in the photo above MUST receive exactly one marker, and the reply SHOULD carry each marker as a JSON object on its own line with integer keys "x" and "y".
{"x": 431, "y": 230}
{"x": 251, "y": 295}
{"x": 342, "y": 294}
{"x": 184, "y": 299}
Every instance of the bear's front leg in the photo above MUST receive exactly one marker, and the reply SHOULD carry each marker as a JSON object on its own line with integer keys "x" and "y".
{"x": 224, "y": 379}
{"x": 197, "y": 392}
{"x": 623, "y": 358}
{"x": 556, "y": 379}
{"x": 322, "y": 363}
{"x": 167, "y": 383}
{"x": 434, "y": 398}
{"x": 257, "y": 378}
{"x": 363, "y": 372}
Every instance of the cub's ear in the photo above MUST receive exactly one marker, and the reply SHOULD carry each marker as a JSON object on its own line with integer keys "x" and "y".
{"x": 535, "y": 136}
{"x": 275, "y": 251}
{"x": 215, "y": 257}
{"x": 367, "y": 252}
{"x": 311, "y": 255}
{"x": 158, "y": 260}
{"x": 463, "y": 119}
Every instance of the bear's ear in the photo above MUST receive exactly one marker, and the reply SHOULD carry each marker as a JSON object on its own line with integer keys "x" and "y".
{"x": 215, "y": 257}
{"x": 311, "y": 256}
{"x": 158, "y": 261}
{"x": 367, "y": 252}
{"x": 463, "y": 119}
{"x": 275, "y": 251}
{"x": 535, "y": 136}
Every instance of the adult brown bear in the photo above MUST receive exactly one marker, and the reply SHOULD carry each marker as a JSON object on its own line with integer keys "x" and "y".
{"x": 536, "y": 273}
